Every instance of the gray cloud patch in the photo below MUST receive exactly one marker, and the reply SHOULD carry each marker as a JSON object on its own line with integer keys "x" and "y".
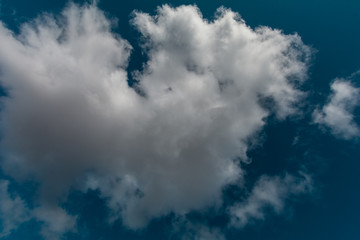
{"x": 71, "y": 120}
{"x": 189, "y": 230}
{"x": 13, "y": 210}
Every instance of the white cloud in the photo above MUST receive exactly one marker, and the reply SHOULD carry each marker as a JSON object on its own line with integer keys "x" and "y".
{"x": 337, "y": 113}
{"x": 13, "y": 210}
{"x": 269, "y": 193}
{"x": 70, "y": 116}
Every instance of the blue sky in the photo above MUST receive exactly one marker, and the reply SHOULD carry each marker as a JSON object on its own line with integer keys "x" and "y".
{"x": 179, "y": 120}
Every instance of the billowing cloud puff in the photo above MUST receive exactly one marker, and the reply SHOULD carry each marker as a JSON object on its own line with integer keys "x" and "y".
{"x": 269, "y": 193}
{"x": 337, "y": 113}
{"x": 71, "y": 120}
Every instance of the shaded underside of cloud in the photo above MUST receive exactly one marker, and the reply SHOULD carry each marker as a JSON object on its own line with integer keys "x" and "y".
{"x": 70, "y": 120}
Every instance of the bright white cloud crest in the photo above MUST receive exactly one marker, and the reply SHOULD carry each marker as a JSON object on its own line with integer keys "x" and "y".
{"x": 72, "y": 121}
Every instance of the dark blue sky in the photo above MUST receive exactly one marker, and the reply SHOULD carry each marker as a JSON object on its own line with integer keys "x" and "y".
{"x": 331, "y": 211}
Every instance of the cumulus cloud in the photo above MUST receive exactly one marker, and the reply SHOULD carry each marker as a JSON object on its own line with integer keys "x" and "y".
{"x": 337, "y": 113}
{"x": 13, "y": 210}
{"x": 71, "y": 120}
{"x": 269, "y": 193}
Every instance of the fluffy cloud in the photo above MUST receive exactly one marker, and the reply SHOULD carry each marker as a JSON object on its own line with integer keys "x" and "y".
{"x": 13, "y": 210}
{"x": 71, "y": 120}
{"x": 269, "y": 193}
{"x": 55, "y": 221}
{"x": 337, "y": 114}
